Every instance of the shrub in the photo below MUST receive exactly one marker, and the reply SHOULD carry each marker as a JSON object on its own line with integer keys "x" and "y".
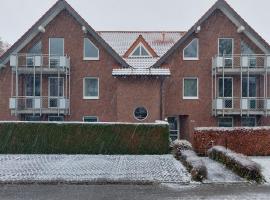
{"x": 83, "y": 138}
{"x": 238, "y": 163}
{"x": 183, "y": 151}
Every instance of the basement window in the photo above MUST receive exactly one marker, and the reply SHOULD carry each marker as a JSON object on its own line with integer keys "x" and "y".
{"x": 248, "y": 121}
{"x": 225, "y": 122}
{"x": 191, "y": 51}
{"x": 140, "y": 113}
{"x": 90, "y": 52}
{"x": 90, "y": 119}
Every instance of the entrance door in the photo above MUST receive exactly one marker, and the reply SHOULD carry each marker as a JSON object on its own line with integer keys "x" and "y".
{"x": 174, "y": 127}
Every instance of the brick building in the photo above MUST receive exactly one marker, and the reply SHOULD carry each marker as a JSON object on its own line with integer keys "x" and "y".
{"x": 215, "y": 74}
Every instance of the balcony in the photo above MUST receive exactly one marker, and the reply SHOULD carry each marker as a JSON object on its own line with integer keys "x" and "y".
{"x": 39, "y": 64}
{"x": 241, "y": 106}
{"x": 235, "y": 64}
{"x": 39, "y": 105}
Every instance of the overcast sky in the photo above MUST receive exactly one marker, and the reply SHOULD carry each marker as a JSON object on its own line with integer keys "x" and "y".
{"x": 17, "y": 16}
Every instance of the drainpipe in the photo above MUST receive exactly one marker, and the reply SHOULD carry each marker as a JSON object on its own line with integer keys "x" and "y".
{"x": 161, "y": 98}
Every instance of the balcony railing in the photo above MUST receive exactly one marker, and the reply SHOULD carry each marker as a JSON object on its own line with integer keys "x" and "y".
{"x": 244, "y": 105}
{"x": 39, "y": 104}
{"x": 242, "y": 62}
{"x": 38, "y": 62}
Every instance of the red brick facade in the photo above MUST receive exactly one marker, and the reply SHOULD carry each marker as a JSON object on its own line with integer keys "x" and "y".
{"x": 119, "y": 96}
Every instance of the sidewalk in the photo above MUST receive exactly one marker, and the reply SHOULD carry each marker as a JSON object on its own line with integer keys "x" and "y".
{"x": 92, "y": 169}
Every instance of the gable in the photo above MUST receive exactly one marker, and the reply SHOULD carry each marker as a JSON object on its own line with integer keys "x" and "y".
{"x": 231, "y": 15}
{"x": 49, "y": 16}
{"x": 140, "y": 45}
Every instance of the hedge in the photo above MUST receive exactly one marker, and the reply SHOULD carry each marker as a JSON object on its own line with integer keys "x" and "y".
{"x": 83, "y": 138}
{"x": 183, "y": 151}
{"x": 237, "y": 162}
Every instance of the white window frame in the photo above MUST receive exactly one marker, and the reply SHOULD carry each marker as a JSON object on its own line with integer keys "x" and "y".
{"x": 50, "y": 48}
{"x": 226, "y": 117}
{"x": 140, "y": 56}
{"x": 232, "y": 50}
{"x": 227, "y": 77}
{"x": 183, "y": 89}
{"x": 146, "y": 112}
{"x": 249, "y": 117}
{"x": 92, "y": 117}
{"x": 191, "y": 58}
{"x": 49, "y": 90}
{"x": 89, "y": 58}
{"x": 90, "y": 97}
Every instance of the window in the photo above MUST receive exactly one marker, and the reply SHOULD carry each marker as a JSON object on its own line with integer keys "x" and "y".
{"x": 140, "y": 113}
{"x": 191, "y": 51}
{"x": 56, "y": 89}
{"x": 56, "y": 49}
{"x": 55, "y": 118}
{"x": 32, "y": 118}
{"x": 90, "y": 52}
{"x": 35, "y": 50}
{"x": 90, "y": 119}
{"x": 140, "y": 51}
{"x": 91, "y": 88}
{"x": 190, "y": 88}
{"x": 226, "y": 91}
{"x": 173, "y": 126}
{"x": 225, "y": 122}
{"x": 225, "y": 49}
{"x": 247, "y": 51}
{"x": 32, "y": 88}
{"x": 248, "y": 121}
{"x": 249, "y": 90}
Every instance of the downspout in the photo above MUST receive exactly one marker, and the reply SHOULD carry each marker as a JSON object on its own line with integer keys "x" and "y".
{"x": 161, "y": 98}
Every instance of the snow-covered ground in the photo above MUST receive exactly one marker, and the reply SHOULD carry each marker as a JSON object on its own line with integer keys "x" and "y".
{"x": 264, "y": 161}
{"x": 92, "y": 168}
{"x": 218, "y": 173}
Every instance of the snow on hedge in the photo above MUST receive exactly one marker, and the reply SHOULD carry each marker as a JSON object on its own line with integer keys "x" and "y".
{"x": 239, "y": 163}
{"x": 231, "y": 129}
{"x": 183, "y": 151}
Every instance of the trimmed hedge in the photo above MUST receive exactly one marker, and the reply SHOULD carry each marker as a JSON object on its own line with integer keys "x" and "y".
{"x": 183, "y": 151}
{"x": 83, "y": 138}
{"x": 238, "y": 163}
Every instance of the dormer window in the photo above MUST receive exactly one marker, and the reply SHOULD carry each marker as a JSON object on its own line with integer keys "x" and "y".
{"x": 140, "y": 51}
{"x": 90, "y": 52}
{"x": 191, "y": 51}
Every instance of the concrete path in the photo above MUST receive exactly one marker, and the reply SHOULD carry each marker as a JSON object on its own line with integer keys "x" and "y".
{"x": 218, "y": 173}
{"x": 92, "y": 169}
{"x": 264, "y": 162}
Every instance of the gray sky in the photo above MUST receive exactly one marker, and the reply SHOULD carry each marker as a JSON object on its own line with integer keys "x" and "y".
{"x": 17, "y": 16}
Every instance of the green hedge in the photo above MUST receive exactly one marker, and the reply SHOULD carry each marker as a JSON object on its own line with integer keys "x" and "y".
{"x": 83, "y": 138}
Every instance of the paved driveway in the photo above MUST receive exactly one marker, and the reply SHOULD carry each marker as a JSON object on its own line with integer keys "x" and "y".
{"x": 92, "y": 169}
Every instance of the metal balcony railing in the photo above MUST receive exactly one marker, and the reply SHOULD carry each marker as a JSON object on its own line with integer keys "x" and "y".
{"x": 243, "y": 105}
{"x": 39, "y": 104}
{"x": 30, "y": 62}
{"x": 244, "y": 62}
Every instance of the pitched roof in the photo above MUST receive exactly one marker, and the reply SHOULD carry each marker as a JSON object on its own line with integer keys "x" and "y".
{"x": 233, "y": 16}
{"x": 59, "y": 6}
{"x": 159, "y": 41}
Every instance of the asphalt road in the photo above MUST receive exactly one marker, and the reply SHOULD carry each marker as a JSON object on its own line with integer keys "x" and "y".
{"x": 145, "y": 192}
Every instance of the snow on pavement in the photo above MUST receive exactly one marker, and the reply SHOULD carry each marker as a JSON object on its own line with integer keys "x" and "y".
{"x": 92, "y": 168}
{"x": 218, "y": 173}
{"x": 264, "y": 162}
